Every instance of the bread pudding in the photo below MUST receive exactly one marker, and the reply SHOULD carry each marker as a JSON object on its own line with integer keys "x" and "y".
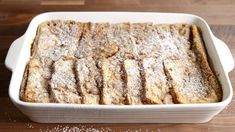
{"x": 119, "y": 64}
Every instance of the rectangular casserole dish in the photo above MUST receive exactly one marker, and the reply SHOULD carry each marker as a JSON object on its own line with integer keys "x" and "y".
{"x": 219, "y": 54}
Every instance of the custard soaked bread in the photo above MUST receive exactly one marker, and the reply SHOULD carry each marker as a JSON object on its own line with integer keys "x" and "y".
{"x": 88, "y": 80}
{"x": 134, "y": 87}
{"x": 57, "y": 38}
{"x": 119, "y": 64}
{"x": 36, "y": 87}
{"x": 113, "y": 85}
{"x": 188, "y": 83}
{"x": 63, "y": 86}
{"x": 156, "y": 89}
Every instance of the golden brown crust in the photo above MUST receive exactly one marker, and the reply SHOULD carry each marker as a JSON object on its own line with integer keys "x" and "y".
{"x": 192, "y": 80}
{"x": 155, "y": 81}
{"x": 188, "y": 84}
{"x": 23, "y": 83}
{"x": 134, "y": 89}
{"x": 94, "y": 42}
{"x": 63, "y": 83}
{"x": 93, "y": 63}
{"x": 88, "y": 80}
{"x": 36, "y": 89}
{"x": 57, "y": 38}
{"x": 113, "y": 87}
{"x": 199, "y": 49}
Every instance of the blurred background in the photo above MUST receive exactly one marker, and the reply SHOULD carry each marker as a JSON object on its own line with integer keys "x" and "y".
{"x": 214, "y": 11}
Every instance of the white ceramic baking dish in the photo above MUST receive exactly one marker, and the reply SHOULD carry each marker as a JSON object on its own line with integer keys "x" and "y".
{"x": 19, "y": 53}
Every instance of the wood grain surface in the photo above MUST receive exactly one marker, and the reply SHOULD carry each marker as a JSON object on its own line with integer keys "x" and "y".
{"x": 15, "y": 16}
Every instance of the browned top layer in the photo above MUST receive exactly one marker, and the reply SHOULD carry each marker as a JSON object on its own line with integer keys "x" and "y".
{"x": 124, "y": 63}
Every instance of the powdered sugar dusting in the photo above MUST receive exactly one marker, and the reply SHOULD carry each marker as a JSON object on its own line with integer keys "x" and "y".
{"x": 155, "y": 80}
{"x": 113, "y": 86}
{"x": 63, "y": 83}
{"x": 88, "y": 80}
{"x": 108, "y": 46}
{"x": 58, "y": 39}
{"x": 77, "y": 128}
{"x": 91, "y": 128}
{"x": 133, "y": 82}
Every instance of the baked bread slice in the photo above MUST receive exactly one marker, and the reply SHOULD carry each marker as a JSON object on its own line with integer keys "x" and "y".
{"x": 88, "y": 80}
{"x": 156, "y": 89}
{"x": 63, "y": 86}
{"x": 203, "y": 60}
{"x": 120, "y": 35}
{"x": 113, "y": 85}
{"x": 146, "y": 41}
{"x": 133, "y": 81}
{"x": 181, "y": 29}
{"x": 57, "y": 38}
{"x": 192, "y": 80}
{"x": 94, "y": 42}
{"x": 188, "y": 84}
{"x": 182, "y": 34}
{"x": 36, "y": 87}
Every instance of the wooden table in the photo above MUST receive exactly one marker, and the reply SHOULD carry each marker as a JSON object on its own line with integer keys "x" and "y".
{"x": 16, "y": 15}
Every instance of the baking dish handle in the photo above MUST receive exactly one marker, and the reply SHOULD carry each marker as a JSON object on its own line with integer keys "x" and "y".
{"x": 13, "y": 53}
{"x": 225, "y": 55}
